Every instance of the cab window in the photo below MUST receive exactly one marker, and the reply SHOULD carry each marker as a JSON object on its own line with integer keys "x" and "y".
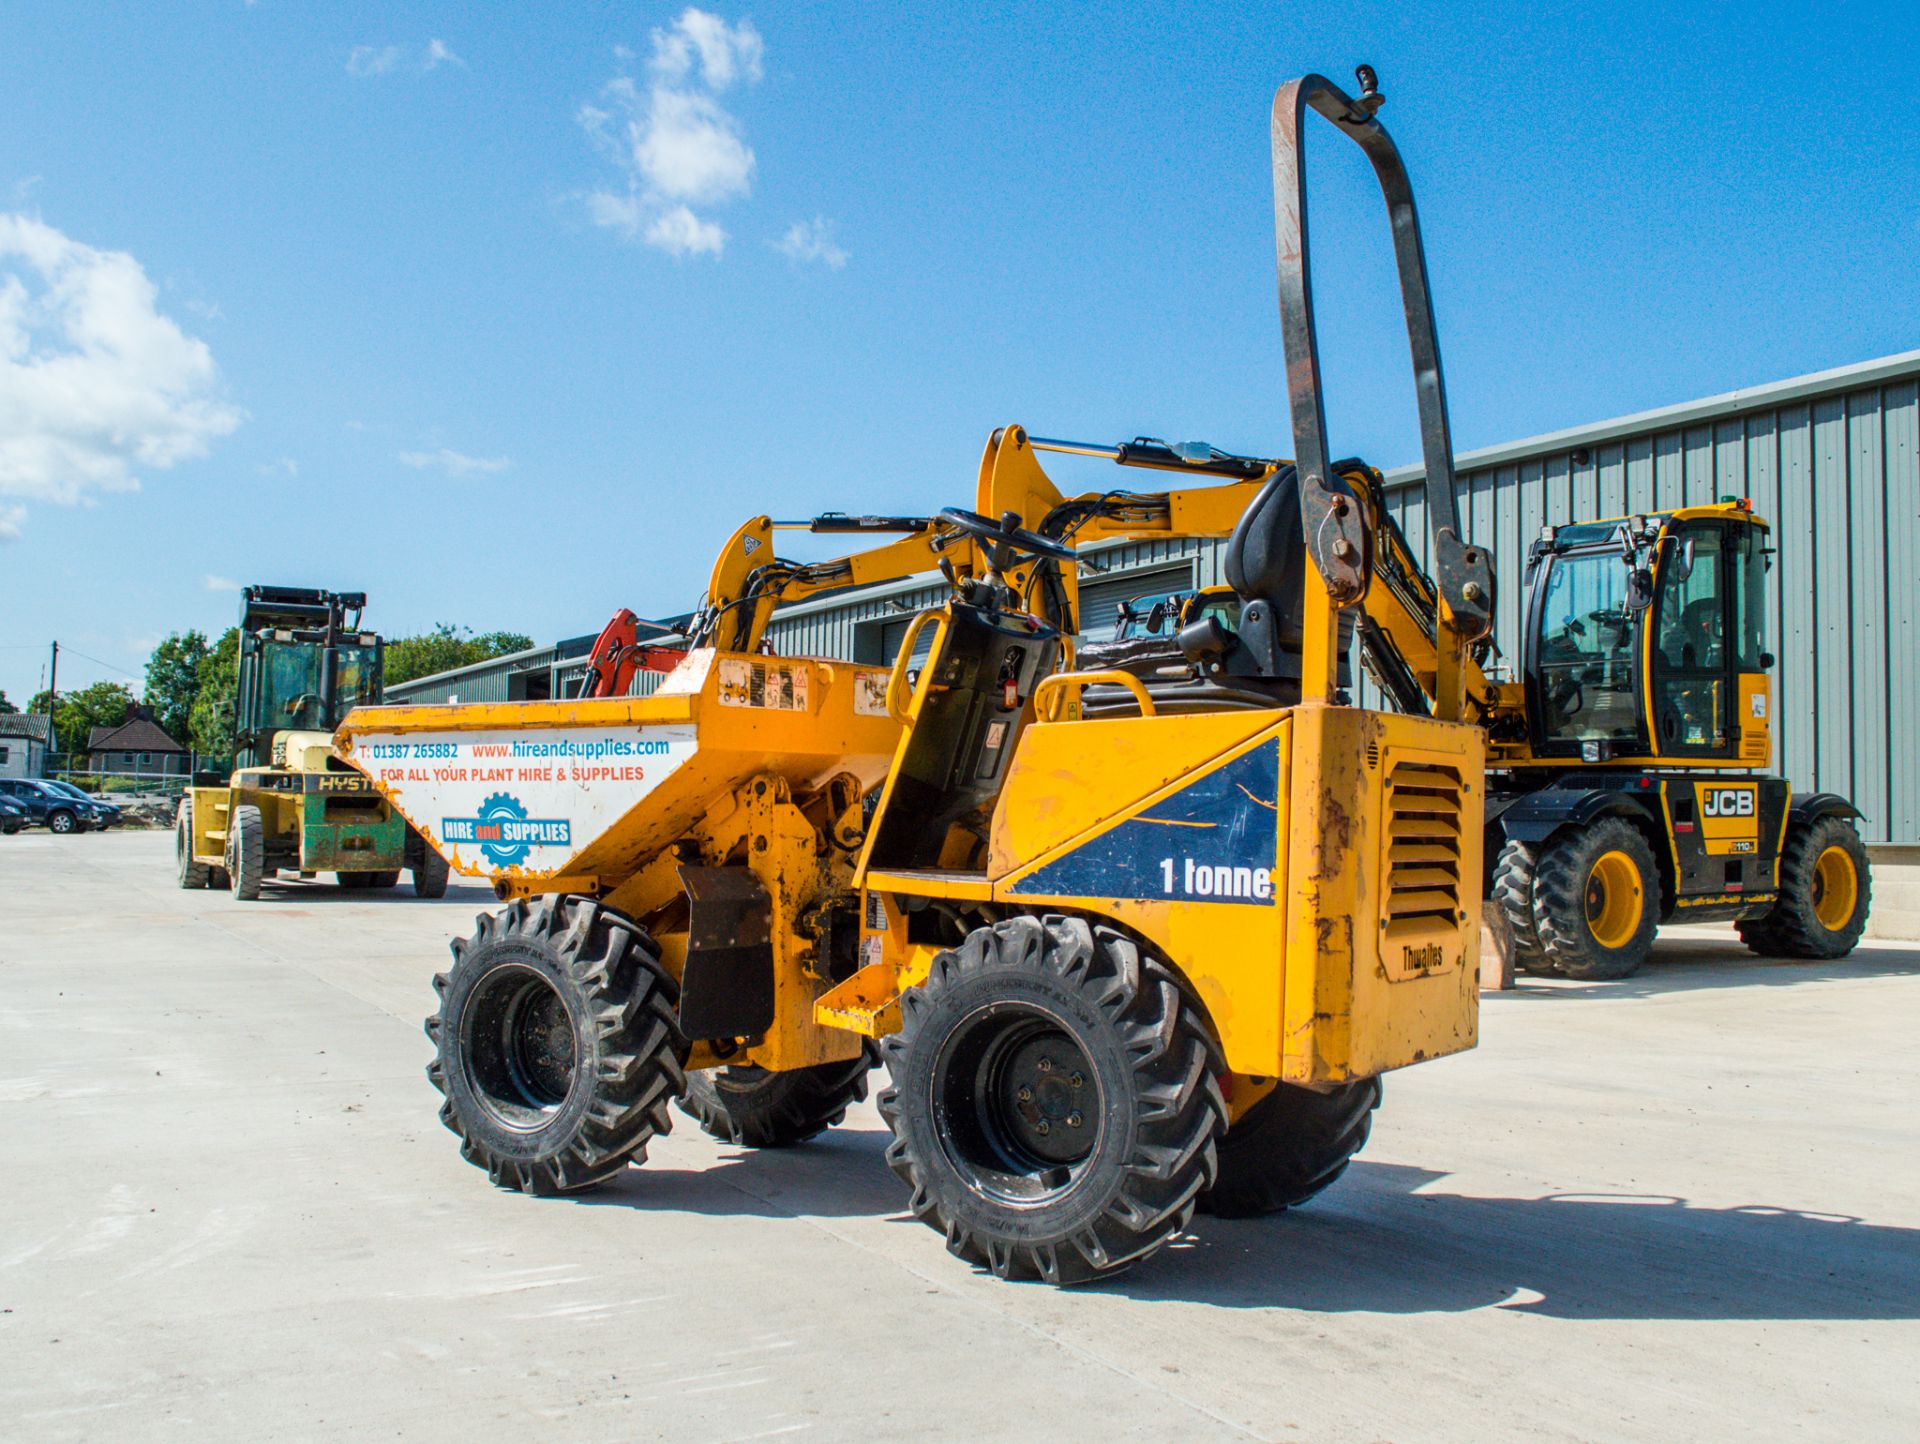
{"x": 1586, "y": 651}
{"x": 1747, "y": 565}
{"x": 1692, "y": 652}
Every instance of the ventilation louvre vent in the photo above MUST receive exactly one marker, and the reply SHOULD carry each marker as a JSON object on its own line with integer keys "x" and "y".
{"x": 1423, "y": 849}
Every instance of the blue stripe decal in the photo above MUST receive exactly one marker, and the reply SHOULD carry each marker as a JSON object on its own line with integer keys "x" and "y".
{"x": 1214, "y": 840}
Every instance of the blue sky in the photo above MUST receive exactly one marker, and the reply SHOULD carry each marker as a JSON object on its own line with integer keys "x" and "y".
{"x": 509, "y": 315}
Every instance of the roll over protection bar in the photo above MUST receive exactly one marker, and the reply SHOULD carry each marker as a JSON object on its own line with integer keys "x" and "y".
{"x": 1336, "y": 533}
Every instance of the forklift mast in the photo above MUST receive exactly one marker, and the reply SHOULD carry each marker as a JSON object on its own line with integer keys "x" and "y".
{"x": 303, "y": 664}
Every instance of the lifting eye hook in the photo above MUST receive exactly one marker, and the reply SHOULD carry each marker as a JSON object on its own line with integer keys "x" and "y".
{"x": 1370, "y": 99}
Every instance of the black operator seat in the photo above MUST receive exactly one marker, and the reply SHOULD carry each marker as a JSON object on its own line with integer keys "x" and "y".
{"x": 1209, "y": 667}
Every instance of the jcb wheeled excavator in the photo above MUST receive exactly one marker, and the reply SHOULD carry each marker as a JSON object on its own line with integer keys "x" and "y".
{"x": 1121, "y": 962}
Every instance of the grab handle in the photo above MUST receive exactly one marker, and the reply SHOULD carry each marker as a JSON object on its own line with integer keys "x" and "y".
{"x": 1049, "y": 697}
{"x": 898, "y": 702}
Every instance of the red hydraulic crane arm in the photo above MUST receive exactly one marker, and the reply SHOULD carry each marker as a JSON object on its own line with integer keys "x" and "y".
{"x": 618, "y": 653}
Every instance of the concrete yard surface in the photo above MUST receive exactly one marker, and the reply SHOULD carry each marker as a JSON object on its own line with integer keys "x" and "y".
{"x": 1685, "y": 1206}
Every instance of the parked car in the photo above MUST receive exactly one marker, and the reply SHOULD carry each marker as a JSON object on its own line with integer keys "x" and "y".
{"x": 54, "y": 810}
{"x": 13, "y": 816}
{"x": 106, "y": 814}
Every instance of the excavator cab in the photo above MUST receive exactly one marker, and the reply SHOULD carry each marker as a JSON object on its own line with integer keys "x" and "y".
{"x": 1645, "y": 638}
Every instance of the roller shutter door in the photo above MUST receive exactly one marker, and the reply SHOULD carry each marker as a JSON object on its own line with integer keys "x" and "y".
{"x": 1100, "y": 597}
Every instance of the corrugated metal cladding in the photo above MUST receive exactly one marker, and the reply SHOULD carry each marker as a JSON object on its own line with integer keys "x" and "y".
{"x": 1832, "y": 460}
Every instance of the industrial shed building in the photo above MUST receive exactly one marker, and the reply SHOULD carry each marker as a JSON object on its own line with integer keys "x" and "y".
{"x": 1831, "y": 459}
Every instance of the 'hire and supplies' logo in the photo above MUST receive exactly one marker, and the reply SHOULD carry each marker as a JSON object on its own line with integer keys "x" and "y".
{"x": 504, "y": 831}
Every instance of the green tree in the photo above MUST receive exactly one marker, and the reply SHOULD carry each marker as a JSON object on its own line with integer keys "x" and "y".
{"x": 5, "y": 705}
{"x": 210, "y": 726}
{"x": 446, "y": 647}
{"x": 173, "y": 681}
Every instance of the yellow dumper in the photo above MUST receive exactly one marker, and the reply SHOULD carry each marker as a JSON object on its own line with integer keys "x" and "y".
{"x": 1127, "y": 946}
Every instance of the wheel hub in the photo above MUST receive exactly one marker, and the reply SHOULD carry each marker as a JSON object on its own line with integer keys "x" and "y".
{"x": 1017, "y": 1104}
{"x": 1613, "y": 899}
{"x": 519, "y": 1046}
{"x": 1048, "y": 1107}
{"x": 1836, "y": 889}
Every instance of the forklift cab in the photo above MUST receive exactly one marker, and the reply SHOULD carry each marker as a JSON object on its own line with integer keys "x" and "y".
{"x": 1645, "y": 638}
{"x": 303, "y": 664}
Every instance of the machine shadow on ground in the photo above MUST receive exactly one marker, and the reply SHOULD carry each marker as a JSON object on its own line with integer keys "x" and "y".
{"x": 277, "y": 893}
{"x": 1377, "y": 1243}
{"x": 1373, "y": 1244}
{"x": 1682, "y": 965}
{"x": 841, "y": 1174}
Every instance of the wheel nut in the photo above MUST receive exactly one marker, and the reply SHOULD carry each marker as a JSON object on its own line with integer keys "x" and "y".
{"x": 1025, "y": 1095}
{"x": 1043, "y": 1128}
{"x": 1077, "y": 1081}
{"x": 1046, "y": 1065}
{"x": 1074, "y": 1120}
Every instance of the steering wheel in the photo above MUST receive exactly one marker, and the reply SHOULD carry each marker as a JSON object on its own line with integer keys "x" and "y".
{"x": 1005, "y": 533}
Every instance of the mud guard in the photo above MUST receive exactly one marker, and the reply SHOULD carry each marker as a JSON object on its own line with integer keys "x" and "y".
{"x": 727, "y": 990}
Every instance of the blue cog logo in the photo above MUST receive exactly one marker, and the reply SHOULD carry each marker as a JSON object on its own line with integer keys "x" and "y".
{"x": 502, "y": 808}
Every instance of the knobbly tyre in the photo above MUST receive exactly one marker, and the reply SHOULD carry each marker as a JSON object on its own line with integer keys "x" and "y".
{"x": 1123, "y": 958}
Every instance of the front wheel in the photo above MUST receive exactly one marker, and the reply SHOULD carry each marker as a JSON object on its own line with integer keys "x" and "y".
{"x": 246, "y": 851}
{"x": 62, "y": 822}
{"x": 1826, "y": 892}
{"x": 1054, "y": 1100}
{"x": 556, "y": 1045}
{"x": 190, "y": 873}
{"x": 1596, "y": 901}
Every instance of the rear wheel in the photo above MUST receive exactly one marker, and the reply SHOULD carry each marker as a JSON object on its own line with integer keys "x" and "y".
{"x": 191, "y": 874}
{"x": 758, "y": 1109}
{"x": 1826, "y": 892}
{"x": 1053, "y": 1100}
{"x": 246, "y": 851}
{"x": 1289, "y": 1146}
{"x": 556, "y": 1045}
{"x": 354, "y": 881}
{"x": 390, "y": 878}
{"x": 430, "y": 874}
{"x": 1513, "y": 896}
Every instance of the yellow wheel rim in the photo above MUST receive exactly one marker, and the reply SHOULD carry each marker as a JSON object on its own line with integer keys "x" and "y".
{"x": 1613, "y": 899}
{"x": 1836, "y": 889}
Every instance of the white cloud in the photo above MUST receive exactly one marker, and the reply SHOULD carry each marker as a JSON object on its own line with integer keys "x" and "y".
{"x": 453, "y": 463}
{"x": 679, "y": 232}
{"x": 219, "y": 584}
{"x": 812, "y": 241}
{"x": 675, "y": 145}
{"x": 12, "y": 518}
{"x": 690, "y": 149}
{"x": 286, "y": 466}
{"x": 375, "y": 59}
{"x": 371, "y": 60}
{"x": 94, "y": 382}
{"x": 724, "y": 52}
